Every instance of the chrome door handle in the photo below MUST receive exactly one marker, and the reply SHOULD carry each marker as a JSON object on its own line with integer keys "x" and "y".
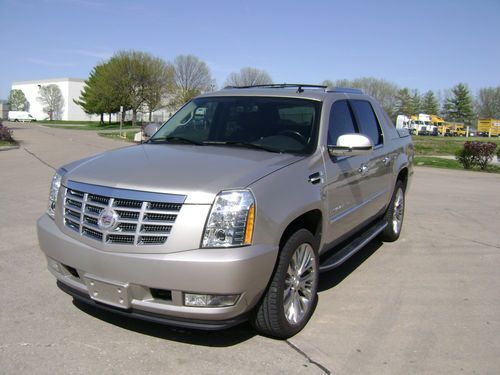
{"x": 363, "y": 169}
{"x": 315, "y": 178}
{"x": 386, "y": 161}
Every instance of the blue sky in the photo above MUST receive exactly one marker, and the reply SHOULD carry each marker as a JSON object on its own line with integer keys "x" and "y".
{"x": 417, "y": 44}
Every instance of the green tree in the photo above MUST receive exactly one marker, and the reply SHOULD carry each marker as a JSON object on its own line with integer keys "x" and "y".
{"x": 405, "y": 102}
{"x": 161, "y": 83}
{"x": 488, "y": 102}
{"x": 50, "y": 96}
{"x": 97, "y": 96}
{"x": 137, "y": 80}
{"x": 430, "y": 104}
{"x": 416, "y": 101}
{"x": 17, "y": 100}
{"x": 458, "y": 107}
{"x": 248, "y": 77}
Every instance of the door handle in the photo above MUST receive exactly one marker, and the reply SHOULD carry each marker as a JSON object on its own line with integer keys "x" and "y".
{"x": 386, "y": 161}
{"x": 315, "y": 178}
{"x": 363, "y": 169}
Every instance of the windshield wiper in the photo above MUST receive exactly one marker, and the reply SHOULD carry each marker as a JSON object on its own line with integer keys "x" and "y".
{"x": 173, "y": 139}
{"x": 243, "y": 144}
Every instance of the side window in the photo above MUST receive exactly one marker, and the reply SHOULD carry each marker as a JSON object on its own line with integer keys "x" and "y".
{"x": 366, "y": 120}
{"x": 340, "y": 121}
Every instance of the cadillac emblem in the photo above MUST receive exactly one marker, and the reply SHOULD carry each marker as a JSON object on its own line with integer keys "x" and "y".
{"x": 107, "y": 219}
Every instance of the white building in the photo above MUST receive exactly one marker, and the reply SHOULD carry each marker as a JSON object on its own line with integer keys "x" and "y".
{"x": 71, "y": 89}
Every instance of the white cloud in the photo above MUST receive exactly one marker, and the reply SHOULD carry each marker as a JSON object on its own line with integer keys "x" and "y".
{"x": 91, "y": 53}
{"x": 49, "y": 63}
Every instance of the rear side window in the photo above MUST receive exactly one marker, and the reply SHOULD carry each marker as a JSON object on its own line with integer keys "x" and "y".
{"x": 366, "y": 120}
{"x": 340, "y": 121}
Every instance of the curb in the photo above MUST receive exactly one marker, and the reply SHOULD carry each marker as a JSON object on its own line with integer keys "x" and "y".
{"x": 8, "y": 148}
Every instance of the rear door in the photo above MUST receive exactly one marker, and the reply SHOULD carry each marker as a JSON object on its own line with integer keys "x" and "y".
{"x": 343, "y": 176}
{"x": 377, "y": 169}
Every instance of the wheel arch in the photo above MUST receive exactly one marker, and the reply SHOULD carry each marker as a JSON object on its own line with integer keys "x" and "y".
{"x": 311, "y": 220}
{"x": 403, "y": 176}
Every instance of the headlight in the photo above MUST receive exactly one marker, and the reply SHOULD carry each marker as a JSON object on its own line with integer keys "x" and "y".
{"x": 231, "y": 220}
{"x": 54, "y": 190}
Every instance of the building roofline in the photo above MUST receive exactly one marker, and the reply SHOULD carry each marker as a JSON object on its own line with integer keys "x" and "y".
{"x": 49, "y": 80}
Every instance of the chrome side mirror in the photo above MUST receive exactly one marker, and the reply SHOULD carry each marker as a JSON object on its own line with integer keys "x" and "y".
{"x": 351, "y": 145}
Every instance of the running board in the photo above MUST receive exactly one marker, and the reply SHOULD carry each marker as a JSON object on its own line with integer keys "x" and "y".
{"x": 352, "y": 247}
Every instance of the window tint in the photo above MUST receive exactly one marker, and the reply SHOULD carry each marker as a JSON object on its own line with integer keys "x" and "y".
{"x": 340, "y": 121}
{"x": 366, "y": 120}
{"x": 281, "y": 124}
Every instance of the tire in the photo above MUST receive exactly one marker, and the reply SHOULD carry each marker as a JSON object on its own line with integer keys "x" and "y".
{"x": 394, "y": 215}
{"x": 291, "y": 296}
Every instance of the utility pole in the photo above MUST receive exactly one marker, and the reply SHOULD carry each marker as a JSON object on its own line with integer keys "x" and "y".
{"x": 121, "y": 119}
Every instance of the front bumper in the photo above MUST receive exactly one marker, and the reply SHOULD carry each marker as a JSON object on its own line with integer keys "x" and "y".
{"x": 244, "y": 271}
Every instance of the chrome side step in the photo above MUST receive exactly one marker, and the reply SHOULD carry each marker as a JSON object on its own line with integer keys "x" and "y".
{"x": 352, "y": 247}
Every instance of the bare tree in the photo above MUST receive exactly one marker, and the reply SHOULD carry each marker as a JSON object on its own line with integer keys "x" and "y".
{"x": 248, "y": 77}
{"x": 384, "y": 91}
{"x": 488, "y": 102}
{"x": 51, "y": 98}
{"x": 191, "y": 77}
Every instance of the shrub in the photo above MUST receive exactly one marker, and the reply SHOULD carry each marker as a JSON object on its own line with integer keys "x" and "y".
{"x": 5, "y": 134}
{"x": 465, "y": 157}
{"x": 498, "y": 154}
{"x": 476, "y": 154}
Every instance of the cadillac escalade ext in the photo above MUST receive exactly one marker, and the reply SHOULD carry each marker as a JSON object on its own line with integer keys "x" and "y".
{"x": 232, "y": 209}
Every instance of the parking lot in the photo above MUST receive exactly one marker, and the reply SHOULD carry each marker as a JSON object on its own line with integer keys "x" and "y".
{"x": 428, "y": 303}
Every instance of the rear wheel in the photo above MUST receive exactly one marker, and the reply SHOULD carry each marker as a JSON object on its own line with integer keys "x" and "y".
{"x": 395, "y": 214}
{"x": 292, "y": 294}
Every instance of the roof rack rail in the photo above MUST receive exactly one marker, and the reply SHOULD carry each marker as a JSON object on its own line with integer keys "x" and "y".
{"x": 300, "y": 86}
{"x": 344, "y": 90}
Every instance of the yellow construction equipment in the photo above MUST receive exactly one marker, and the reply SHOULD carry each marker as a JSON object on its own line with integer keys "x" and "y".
{"x": 488, "y": 127}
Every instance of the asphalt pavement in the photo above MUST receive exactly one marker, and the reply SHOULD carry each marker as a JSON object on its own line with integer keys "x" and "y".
{"x": 426, "y": 304}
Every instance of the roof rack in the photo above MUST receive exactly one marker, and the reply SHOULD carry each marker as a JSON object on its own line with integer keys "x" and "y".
{"x": 300, "y": 86}
{"x": 344, "y": 90}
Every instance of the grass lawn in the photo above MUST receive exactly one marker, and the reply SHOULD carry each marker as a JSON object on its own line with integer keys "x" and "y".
{"x": 428, "y": 145}
{"x": 128, "y": 134}
{"x": 87, "y": 125}
{"x": 7, "y": 143}
{"x": 63, "y": 122}
{"x": 426, "y": 161}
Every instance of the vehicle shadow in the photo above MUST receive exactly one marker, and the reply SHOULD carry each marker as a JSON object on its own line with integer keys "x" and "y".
{"x": 227, "y": 337}
{"x": 335, "y": 276}
{"x": 222, "y": 338}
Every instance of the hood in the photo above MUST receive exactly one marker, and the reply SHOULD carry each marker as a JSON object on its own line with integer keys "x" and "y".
{"x": 199, "y": 172}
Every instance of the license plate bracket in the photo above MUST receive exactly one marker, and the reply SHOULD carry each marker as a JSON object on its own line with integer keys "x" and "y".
{"x": 108, "y": 292}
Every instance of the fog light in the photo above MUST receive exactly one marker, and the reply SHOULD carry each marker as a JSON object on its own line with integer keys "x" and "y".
{"x": 209, "y": 300}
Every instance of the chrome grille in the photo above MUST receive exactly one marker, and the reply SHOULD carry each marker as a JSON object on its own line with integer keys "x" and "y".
{"x": 139, "y": 222}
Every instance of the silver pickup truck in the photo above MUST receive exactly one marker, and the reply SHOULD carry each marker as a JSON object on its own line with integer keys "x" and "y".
{"x": 232, "y": 209}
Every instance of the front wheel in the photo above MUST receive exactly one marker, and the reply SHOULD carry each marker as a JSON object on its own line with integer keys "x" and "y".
{"x": 292, "y": 293}
{"x": 394, "y": 214}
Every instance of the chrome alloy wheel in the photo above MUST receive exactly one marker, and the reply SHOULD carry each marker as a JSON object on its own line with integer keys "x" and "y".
{"x": 300, "y": 284}
{"x": 398, "y": 211}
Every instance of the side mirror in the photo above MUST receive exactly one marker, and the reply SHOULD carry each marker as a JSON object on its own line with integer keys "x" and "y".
{"x": 351, "y": 145}
{"x": 150, "y": 129}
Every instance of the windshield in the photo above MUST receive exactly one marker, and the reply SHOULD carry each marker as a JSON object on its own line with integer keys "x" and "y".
{"x": 272, "y": 124}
